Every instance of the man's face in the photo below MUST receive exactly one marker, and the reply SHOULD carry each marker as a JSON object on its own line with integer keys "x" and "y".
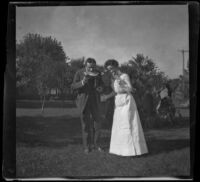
{"x": 90, "y": 67}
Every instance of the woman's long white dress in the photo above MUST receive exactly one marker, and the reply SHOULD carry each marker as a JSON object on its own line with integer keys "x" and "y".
{"x": 127, "y": 137}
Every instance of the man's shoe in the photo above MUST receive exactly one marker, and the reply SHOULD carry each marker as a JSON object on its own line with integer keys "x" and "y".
{"x": 99, "y": 149}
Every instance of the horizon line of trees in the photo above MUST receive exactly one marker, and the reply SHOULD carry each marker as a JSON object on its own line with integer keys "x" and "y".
{"x": 41, "y": 66}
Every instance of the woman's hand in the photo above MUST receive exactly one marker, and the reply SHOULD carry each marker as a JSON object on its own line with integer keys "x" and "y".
{"x": 103, "y": 98}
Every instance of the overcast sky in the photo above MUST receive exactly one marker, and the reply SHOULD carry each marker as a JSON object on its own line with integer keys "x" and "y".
{"x": 119, "y": 32}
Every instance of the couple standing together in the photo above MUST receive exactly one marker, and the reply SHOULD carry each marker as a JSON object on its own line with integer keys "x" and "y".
{"x": 127, "y": 137}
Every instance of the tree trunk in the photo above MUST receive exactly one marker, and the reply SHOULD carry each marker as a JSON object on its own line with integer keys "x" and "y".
{"x": 41, "y": 99}
{"x": 62, "y": 98}
{"x": 43, "y": 103}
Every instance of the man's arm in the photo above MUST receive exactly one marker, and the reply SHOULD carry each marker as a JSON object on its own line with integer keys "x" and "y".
{"x": 77, "y": 82}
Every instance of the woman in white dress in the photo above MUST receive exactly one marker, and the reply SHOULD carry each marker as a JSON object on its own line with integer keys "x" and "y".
{"x": 127, "y": 137}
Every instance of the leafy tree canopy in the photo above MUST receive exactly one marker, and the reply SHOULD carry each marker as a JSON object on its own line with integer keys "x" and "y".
{"x": 35, "y": 56}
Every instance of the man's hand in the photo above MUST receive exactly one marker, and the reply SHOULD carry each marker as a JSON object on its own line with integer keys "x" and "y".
{"x": 85, "y": 80}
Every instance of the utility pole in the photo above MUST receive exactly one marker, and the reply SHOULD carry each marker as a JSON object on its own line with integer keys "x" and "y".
{"x": 183, "y": 54}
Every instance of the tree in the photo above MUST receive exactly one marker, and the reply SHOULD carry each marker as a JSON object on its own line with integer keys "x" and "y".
{"x": 38, "y": 60}
{"x": 45, "y": 79}
{"x": 142, "y": 71}
{"x": 144, "y": 75}
{"x": 77, "y": 64}
{"x": 65, "y": 78}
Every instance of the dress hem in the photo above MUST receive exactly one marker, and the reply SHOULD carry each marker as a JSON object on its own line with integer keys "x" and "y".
{"x": 128, "y": 155}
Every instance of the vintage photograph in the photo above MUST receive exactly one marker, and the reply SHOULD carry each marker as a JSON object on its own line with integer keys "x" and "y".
{"x": 102, "y": 91}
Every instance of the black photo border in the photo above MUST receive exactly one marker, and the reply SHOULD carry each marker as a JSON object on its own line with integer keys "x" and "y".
{"x": 9, "y": 90}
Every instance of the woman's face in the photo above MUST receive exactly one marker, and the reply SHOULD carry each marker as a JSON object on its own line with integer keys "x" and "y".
{"x": 112, "y": 69}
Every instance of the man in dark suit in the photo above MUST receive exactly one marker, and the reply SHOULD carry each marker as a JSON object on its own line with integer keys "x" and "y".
{"x": 88, "y": 97}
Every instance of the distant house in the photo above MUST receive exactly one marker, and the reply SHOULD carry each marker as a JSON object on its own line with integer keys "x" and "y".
{"x": 54, "y": 91}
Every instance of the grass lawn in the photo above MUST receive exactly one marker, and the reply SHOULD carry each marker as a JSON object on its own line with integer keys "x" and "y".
{"x": 50, "y": 145}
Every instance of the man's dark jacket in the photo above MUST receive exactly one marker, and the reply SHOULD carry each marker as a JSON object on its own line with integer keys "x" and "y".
{"x": 83, "y": 91}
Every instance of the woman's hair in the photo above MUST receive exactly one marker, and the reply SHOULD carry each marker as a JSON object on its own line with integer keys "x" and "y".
{"x": 111, "y": 62}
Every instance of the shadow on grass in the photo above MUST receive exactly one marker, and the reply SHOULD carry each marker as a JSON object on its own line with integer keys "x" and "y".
{"x": 177, "y": 123}
{"x": 48, "y": 104}
{"x": 58, "y": 132}
{"x": 47, "y": 131}
{"x": 156, "y": 146}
